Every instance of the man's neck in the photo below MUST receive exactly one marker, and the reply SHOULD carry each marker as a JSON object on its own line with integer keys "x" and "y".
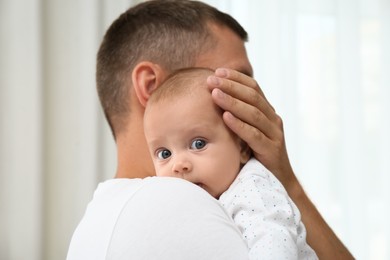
{"x": 134, "y": 160}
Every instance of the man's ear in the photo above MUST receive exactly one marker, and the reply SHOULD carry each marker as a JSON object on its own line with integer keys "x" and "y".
{"x": 245, "y": 153}
{"x": 146, "y": 77}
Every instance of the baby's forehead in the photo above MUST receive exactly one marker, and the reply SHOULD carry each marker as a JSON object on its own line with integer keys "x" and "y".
{"x": 186, "y": 82}
{"x": 191, "y": 78}
{"x": 191, "y": 92}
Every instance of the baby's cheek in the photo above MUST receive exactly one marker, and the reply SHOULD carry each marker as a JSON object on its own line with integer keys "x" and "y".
{"x": 165, "y": 171}
{"x": 160, "y": 171}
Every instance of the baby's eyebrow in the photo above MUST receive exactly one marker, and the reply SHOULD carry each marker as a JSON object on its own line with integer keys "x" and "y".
{"x": 154, "y": 144}
{"x": 204, "y": 127}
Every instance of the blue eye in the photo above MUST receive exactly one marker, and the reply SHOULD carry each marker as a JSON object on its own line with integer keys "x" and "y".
{"x": 163, "y": 154}
{"x": 198, "y": 144}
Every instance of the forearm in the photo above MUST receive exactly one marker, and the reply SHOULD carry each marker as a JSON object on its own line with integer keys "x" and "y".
{"x": 319, "y": 235}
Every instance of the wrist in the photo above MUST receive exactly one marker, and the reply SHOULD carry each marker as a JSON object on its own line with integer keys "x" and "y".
{"x": 294, "y": 187}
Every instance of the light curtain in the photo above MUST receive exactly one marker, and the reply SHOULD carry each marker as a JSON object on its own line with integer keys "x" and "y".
{"x": 324, "y": 65}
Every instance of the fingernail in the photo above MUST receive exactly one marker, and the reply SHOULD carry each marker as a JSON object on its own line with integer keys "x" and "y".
{"x": 228, "y": 115}
{"x": 219, "y": 93}
{"x": 221, "y": 73}
{"x": 216, "y": 81}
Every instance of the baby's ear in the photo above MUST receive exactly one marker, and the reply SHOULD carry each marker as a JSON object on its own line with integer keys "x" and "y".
{"x": 146, "y": 77}
{"x": 245, "y": 153}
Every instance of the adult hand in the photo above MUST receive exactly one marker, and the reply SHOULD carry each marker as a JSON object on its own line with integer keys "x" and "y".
{"x": 253, "y": 119}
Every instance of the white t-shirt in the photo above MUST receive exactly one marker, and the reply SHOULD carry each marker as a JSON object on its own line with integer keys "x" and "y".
{"x": 267, "y": 217}
{"x": 155, "y": 218}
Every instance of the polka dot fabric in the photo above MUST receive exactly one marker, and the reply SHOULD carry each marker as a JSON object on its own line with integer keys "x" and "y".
{"x": 269, "y": 220}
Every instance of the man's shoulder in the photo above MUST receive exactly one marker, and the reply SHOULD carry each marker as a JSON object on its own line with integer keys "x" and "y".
{"x": 178, "y": 218}
{"x": 122, "y": 187}
{"x": 118, "y": 202}
{"x": 165, "y": 218}
{"x": 113, "y": 197}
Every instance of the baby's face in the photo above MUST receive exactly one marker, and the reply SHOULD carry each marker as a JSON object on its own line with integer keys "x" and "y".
{"x": 188, "y": 139}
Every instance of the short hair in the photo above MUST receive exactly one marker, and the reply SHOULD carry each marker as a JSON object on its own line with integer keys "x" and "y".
{"x": 171, "y": 33}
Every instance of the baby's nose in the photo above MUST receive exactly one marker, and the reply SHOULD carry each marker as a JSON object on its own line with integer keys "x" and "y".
{"x": 182, "y": 166}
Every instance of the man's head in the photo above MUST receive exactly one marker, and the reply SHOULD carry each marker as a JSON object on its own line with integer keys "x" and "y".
{"x": 187, "y": 137}
{"x": 171, "y": 34}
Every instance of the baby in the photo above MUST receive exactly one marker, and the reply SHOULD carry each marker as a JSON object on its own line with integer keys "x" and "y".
{"x": 188, "y": 139}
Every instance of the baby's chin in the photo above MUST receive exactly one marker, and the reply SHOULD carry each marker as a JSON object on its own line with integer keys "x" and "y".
{"x": 200, "y": 185}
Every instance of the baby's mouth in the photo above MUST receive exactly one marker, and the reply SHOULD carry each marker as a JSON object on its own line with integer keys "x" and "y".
{"x": 200, "y": 184}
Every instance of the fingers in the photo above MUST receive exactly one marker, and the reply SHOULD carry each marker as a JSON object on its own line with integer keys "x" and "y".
{"x": 238, "y": 77}
{"x": 241, "y": 87}
{"x": 271, "y": 152}
{"x": 246, "y": 132}
{"x": 241, "y": 96}
{"x": 248, "y": 114}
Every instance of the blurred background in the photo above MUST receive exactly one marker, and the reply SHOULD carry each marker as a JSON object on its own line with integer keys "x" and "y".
{"x": 323, "y": 64}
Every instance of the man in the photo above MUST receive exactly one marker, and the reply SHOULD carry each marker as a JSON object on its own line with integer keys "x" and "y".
{"x": 129, "y": 218}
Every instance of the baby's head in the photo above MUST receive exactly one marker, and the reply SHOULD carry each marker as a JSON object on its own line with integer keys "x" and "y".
{"x": 186, "y": 135}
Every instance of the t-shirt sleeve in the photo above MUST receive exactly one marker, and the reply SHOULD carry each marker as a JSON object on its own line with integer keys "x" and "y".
{"x": 169, "y": 218}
